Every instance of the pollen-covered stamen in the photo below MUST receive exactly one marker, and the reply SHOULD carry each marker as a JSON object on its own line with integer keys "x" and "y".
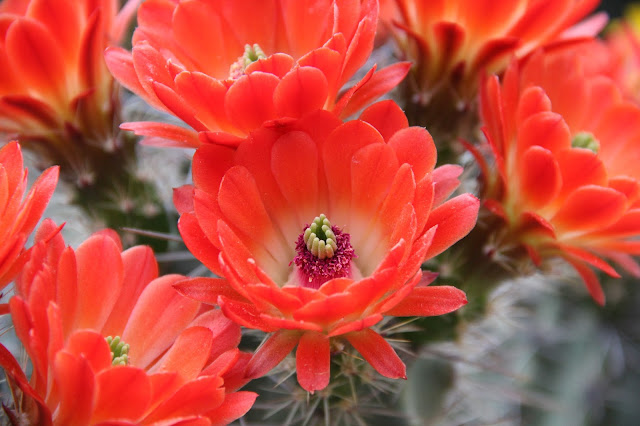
{"x": 585, "y": 140}
{"x": 323, "y": 252}
{"x": 119, "y": 350}
{"x": 320, "y": 239}
{"x": 251, "y": 55}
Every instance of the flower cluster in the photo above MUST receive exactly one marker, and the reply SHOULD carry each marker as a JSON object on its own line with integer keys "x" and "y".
{"x": 318, "y": 212}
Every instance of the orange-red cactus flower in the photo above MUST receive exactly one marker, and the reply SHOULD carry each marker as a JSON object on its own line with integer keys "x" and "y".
{"x": 319, "y": 230}
{"x": 18, "y": 216}
{"x": 452, "y": 41}
{"x": 566, "y": 147}
{"x": 227, "y": 67}
{"x": 56, "y": 94}
{"x": 110, "y": 341}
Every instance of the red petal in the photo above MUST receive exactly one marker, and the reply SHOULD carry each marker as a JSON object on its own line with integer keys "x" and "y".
{"x": 337, "y": 153}
{"x": 188, "y": 354}
{"x": 37, "y": 199}
{"x": 194, "y": 398}
{"x": 163, "y": 134}
{"x": 313, "y": 360}
{"x": 122, "y": 392}
{"x": 294, "y": 163}
{"x": 580, "y": 167}
{"x": 76, "y": 389}
{"x": 177, "y": 105}
{"x": 330, "y": 309}
{"x": 373, "y": 169}
{"x": 206, "y": 96}
{"x": 140, "y": 268}
{"x": 278, "y": 64}
{"x": 445, "y": 181}
{"x": 540, "y": 179}
{"x": 159, "y": 316}
{"x": 356, "y": 325}
{"x": 414, "y": 145}
{"x": 362, "y": 42}
{"x": 249, "y": 101}
{"x": 120, "y": 64}
{"x": 301, "y": 91}
{"x": 591, "y": 259}
{"x": 590, "y": 207}
{"x": 235, "y": 405}
{"x": 545, "y": 129}
{"x": 378, "y": 352}
{"x": 271, "y": 352}
{"x": 100, "y": 274}
{"x": 245, "y": 314}
{"x": 197, "y": 242}
{"x": 590, "y": 280}
{"x": 429, "y": 301}
{"x": 92, "y": 346}
{"x": 380, "y": 83}
{"x": 39, "y": 58}
{"x": 454, "y": 219}
{"x": 226, "y": 333}
{"x": 386, "y": 116}
{"x": 207, "y": 290}
{"x": 329, "y": 61}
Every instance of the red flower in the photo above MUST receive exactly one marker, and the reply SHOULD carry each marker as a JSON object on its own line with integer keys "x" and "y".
{"x": 19, "y": 217}
{"x": 56, "y": 94}
{"x": 451, "y": 42}
{"x": 250, "y": 219}
{"x": 231, "y": 66}
{"x": 110, "y": 341}
{"x": 566, "y": 149}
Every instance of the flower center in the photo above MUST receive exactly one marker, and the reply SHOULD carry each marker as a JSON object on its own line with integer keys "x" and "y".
{"x": 585, "y": 140}
{"x": 323, "y": 252}
{"x": 119, "y": 351}
{"x": 251, "y": 54}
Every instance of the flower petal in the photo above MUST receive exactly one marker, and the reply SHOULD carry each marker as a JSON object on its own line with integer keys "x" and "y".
{"x": 454, "y": 219}
{"x": 302, "y": 90}
{"x": 271, "y": 352}
{"x": 313, "y": 360}
{"x": 378, "y": 352}
{"x": 590, "y": 207}
{"x": 159, "y": 316}
{"x": 429, "y": 301}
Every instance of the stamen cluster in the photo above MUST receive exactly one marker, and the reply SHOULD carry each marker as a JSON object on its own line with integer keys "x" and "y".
{"x": 323, "y": 252}
{"x": 119, "y": 350}
{"x": 320, "y": 239}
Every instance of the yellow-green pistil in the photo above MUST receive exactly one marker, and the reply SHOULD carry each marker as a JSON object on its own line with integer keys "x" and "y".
{"x": 585, "y": 140}
{"x": 251, "y": 55}
{"x": 119, "y": 351}
{"x": 320, "y": 239}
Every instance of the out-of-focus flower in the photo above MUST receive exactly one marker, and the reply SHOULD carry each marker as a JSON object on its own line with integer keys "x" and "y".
{"x": 452, "y": 42}
{"x": 56, "y": 94}
{"x": 319, "y": 230}
{"x": 567, "y": 181}
{"x": 110, "y": 341}
{"x": 623, "y": 47}
{"x": 227, "y": 67}
{"x": 19, "y": 217}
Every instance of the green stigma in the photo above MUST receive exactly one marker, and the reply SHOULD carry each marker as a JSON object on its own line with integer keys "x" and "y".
{"x": 320, "y": 239}
{"x": 251, "y": 55}
{"x": 585, "y": 140}
{"x": 119, "y": 351}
